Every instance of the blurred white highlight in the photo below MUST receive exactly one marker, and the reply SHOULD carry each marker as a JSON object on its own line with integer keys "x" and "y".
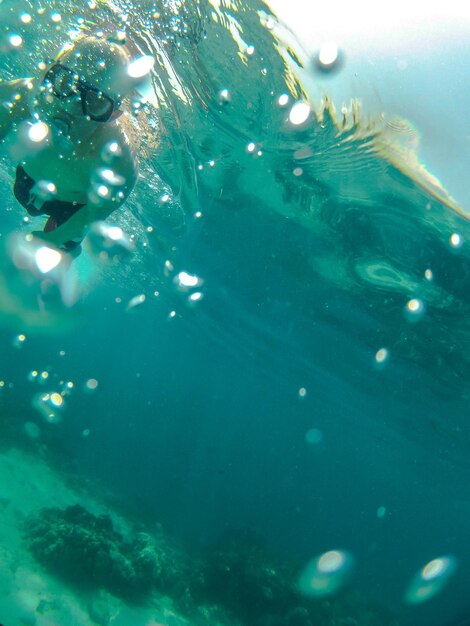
{"x": 47, "y": 258}
{"x": 141, "y": 66}
{"x": 326, "y": 574}
{"x": 430, "y": 579}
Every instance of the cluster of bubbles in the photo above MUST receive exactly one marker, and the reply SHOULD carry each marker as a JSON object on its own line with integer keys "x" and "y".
{"x": 186, "y": 284}
{"x": 328, "y": 572}
{"x": 189, "y": 284}
{"x": 109, "y": 242}
{"x": 51, "y": 403}
{"x": 106, "y": 186}
{"x": 46, "y": 269}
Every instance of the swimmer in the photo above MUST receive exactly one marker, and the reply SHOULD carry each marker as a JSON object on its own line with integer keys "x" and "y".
{"x": 75, "y": 163}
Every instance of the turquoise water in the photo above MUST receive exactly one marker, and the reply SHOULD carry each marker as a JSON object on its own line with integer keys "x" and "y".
{"x": 289, "y": 429}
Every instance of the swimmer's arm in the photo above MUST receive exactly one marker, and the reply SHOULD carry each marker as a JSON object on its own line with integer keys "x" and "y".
{"x": 13, "y": 103}
{"x": 76, "y": 227}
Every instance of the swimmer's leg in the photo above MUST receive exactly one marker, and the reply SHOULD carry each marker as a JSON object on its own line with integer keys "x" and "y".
{"x": 73, "y": 247}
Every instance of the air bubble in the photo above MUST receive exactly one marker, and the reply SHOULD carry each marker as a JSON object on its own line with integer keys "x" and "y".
{"x": 38, "y": 132}
{"x": 186, "y": 281}
{"x": 430, "y": 579}
{"x": 136, "y": 301}
{"x": 268, "y": 22}
{"x": 48, "y": 406}
{"x": 381, "y": 512}
{"x": 314, "y": 436}
{"x": 111, "y": 151}
{"x": 299, "y": 113}
{"x": 326, "y": 574}
{"x": 103, "y": 191}
{"x": 414, "y": 309}
{"x": 91, "y": 384}
{"x": 109, "y": 242}
{"x": 19, "y": 340}
{"x": 44, "y": 190}
{"x": 15, "y": 40}
{"x": 382, "y": 357}
{"x": 110, "y": 177}
{"x": 56, "y": 399}
{"x": 224, "y": 97}
{"x": 329, "y": 57}
{"x": 328, "y": 53}
{"x": 195, "y": 297}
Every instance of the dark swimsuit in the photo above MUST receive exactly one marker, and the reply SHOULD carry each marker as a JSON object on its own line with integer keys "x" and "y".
{"x": 58, "y": 210}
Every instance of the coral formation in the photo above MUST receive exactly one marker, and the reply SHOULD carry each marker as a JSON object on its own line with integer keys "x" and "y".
{"x": 238, "y": 583}
{"x": 87, "y": 550}
{"x": 242, "y": 577}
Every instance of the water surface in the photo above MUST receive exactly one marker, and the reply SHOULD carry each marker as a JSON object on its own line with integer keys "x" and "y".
{"x": 313, "y": 395}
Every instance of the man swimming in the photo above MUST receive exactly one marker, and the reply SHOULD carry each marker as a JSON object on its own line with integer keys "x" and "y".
{"x": 75, "y": 163}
